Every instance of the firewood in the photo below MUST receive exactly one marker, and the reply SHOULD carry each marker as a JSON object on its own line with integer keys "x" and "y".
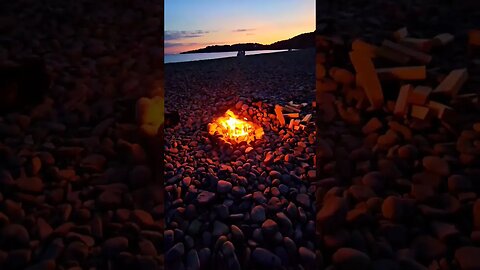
{"x": 307, "y": 118}
{"x": 443, "y": 39}
{"x": 292, "y": 115}
{"x": 452, "y": 83}
{"x": 291, "y": 109}
{"x": 368, "y": 78}
{"x": 400, "y": 33}
{"x": 420, "y": 112}
{"x": 401, "y": 105}
{"x": 373, "y": 51}
{"x": 441, "y": 111}
{"x": 417, "y": 55}
{"x": 419, "y": 95}
{"x": 359, "y": 45}
{"x": 403, "y": 73}
{"x": 290, "y": 125}
{"x": 278, "y": 112}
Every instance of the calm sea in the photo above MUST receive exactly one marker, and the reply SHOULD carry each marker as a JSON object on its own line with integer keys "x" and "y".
{"x": 176, "y": 58}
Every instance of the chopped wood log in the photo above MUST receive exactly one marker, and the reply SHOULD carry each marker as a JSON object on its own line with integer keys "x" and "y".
{"x": 307, "y": 118}
{"x": 373, "y": 51}
{"x": 291, "y": 109}
{"x": 402, "y": 73}
{"x": 278, "y": 112}
{"x": 292, "y": 115}
{"x": 419, "y": 95}
{"x": 420, "y": 112}
{"x": 368, "y": 78}
{"x": 417, "y": 55}
{"x": 443, "y": 39}
{"x": 452, "y": 83}
{"x": 422, "y": 44}
{"x": 359, "y": 45}
{"x": 400, "y": 33}
{"x": 290, "y": 125}
{"x": 401, "y": 105}
{"x": 441, "y": 111}
{"x": 296, "y": 122}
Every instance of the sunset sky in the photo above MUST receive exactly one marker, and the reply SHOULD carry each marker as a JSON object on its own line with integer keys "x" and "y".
{"x": 194, "y": 24}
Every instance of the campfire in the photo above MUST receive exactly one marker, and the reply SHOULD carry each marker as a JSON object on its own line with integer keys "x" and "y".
{"x": 235, "y": 130}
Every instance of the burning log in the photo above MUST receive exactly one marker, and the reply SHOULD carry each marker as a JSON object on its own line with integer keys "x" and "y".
{"x": 235, "y": 130}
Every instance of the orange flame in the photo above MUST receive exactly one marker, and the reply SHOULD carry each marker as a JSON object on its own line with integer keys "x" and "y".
{"x": 234, "y": 129}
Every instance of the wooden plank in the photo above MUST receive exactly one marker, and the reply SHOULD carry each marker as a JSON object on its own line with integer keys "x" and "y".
{"x": 420, "y": 112}
{"x": 443, "y": 39}
{"x": 368, "y": 77}
{"x": 400, "y": 33}
{"x": 278, "y": 112}
{"x": 401, "y": 105}
{"x": 402, "y": 73}
{"x": 417, "y": 55}
{"x": 419, "y": 95}
{"x": 452, "y": 83}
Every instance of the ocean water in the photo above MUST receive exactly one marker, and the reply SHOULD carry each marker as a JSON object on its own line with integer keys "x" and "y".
{"x": 177, "y": 58}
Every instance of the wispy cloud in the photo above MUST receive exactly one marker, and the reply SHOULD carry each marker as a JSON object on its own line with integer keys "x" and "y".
{"x": 176, "y": 35}
{"x": 244, "y": 30}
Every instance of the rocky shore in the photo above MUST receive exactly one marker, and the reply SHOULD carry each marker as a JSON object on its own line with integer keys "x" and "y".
{"x": 397, "y": 183}
{"x": 76, "y": 177}
{"x": 240, "y": 206}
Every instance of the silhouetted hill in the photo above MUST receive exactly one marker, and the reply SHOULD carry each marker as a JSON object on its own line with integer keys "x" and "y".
{"x": 302, "y": 41}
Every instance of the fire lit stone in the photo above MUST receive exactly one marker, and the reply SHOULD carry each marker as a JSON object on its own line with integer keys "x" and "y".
{"x": 235, "y": 130}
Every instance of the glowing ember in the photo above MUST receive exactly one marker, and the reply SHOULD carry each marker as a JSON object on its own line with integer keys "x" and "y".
{"x": 235, "y": 130}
